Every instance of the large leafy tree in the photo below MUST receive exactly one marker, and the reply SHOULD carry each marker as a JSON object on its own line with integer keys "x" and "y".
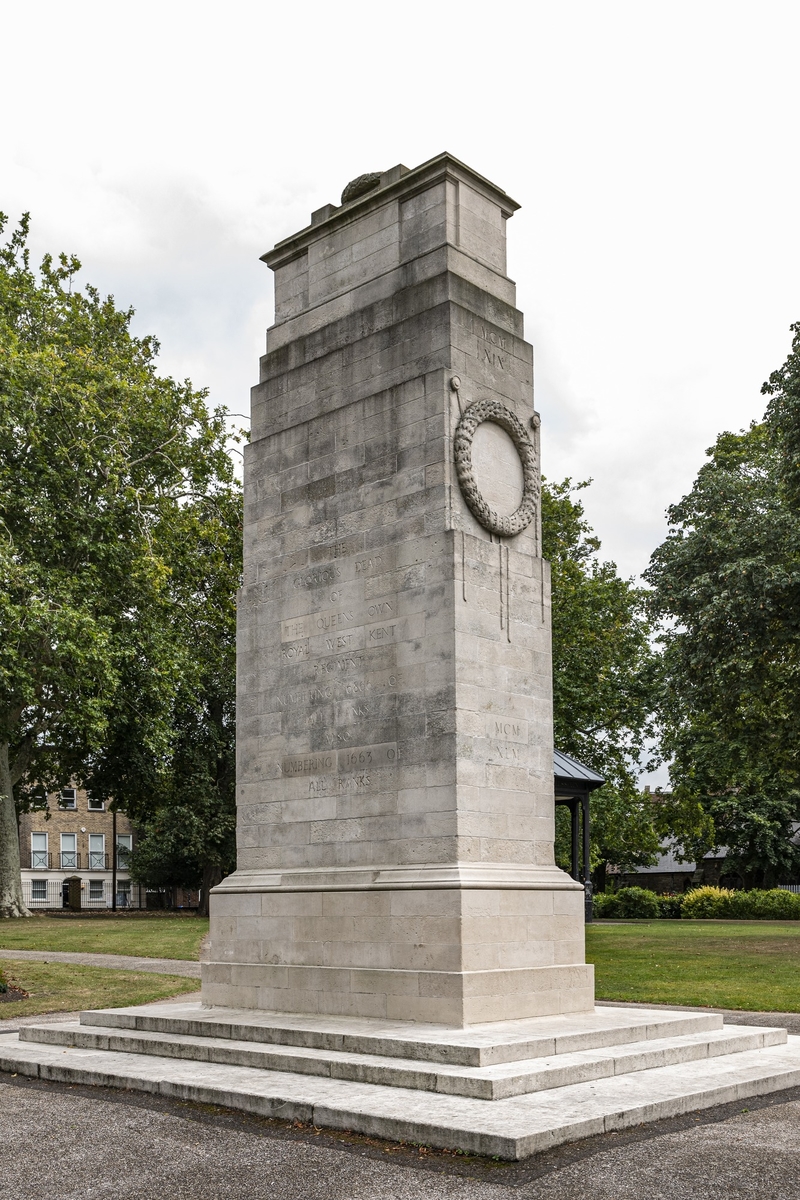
{"x": 104, "y": 466}
{"x": 183, "y": 800}
{"x": 727, "y": 583}
{"x": 604, "y": 681}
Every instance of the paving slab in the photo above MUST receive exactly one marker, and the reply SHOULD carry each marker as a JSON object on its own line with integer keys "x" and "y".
{"x": 476, "y": 1045}
{"x": 511, "y": 1128}
{"x": 485, "y": 1083}
{"x": 155, "y": 1148}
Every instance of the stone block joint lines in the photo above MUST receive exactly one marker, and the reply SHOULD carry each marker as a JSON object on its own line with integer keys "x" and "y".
{"x": 395, "y": 795}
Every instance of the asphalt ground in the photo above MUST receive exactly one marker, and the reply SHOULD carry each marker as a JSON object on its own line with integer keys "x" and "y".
{"x": 66, "y": 1142}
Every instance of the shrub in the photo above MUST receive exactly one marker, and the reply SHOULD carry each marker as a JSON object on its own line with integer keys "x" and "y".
{"x": 703, "y": 903}
{"x": 3, "y": 983}
{"x": 605, "y": 904}
{"x": 778, "y": 905}
{"x": 707, "y": 903}
{"x": 627, "y": 903}
{"x": 638, "y": 902}
{"x": 756, "y": 905}
{"x": 671, "y": 907}
{"x": 774, "y": 905}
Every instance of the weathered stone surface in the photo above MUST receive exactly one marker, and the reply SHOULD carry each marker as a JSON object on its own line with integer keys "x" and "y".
{"x": 325, "y": 1076}
{"x": 397, "y": 953}
{"x": 349, "y": 1052}
{"x": 395, "y": 785}
{"x": 360, "y": 186}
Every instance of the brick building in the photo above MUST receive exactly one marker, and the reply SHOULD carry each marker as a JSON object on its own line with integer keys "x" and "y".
{"x": 72, "y": 840}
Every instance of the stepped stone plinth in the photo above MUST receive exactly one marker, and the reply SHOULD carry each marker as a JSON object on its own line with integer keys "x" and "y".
{"x": 509, "y": 1088}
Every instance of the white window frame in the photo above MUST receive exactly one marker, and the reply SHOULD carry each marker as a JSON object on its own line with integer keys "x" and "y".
{"x": 68, "y": 804}
{"x": 38, "y": 883}
{"x": 37, "y": 850}
{"x": 93, "y": 805}
{"x": 74, "y": 851}
{"x": 102, "y": 853}
{"x": 128, "y": 847}
{"x": 93, "y": 886}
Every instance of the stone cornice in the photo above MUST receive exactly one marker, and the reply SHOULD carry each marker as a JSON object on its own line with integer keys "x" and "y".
{"x": 443, "y": 166}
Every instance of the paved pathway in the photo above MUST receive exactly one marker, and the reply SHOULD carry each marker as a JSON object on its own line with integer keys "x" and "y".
{"x": 101, "y": 1142}
{"x": 120, "y": 962}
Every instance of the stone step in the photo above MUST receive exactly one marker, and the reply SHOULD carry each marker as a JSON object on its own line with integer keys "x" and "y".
{"x": 515, "y": 1127}
{"x": 484, "y": 1083}
{"x": 475, "y": 1046}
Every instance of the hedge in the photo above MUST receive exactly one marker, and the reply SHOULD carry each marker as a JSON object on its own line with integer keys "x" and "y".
{"x": 755, "y": 905}
{"x": 703, "y": 903}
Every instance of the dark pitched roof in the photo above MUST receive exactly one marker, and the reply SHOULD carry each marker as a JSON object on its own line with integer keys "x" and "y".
{"x": 567, "y": 768}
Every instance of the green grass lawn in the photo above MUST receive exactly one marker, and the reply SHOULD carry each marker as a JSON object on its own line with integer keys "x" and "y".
{"x": 62, "y": 987}
{"x": 751, "y": 965}
{"x": 149, "y": 937}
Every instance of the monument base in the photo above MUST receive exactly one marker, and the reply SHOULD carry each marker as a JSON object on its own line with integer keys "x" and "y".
{"x": 455, "y": 944}
{"x": 510, "y": 1089}
{"x": 449, "y": 998}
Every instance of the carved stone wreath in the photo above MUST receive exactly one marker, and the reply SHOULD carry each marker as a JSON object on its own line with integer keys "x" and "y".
{"x": 493, "y": 410}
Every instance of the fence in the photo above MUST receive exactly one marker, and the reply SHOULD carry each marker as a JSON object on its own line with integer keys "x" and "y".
{"x": 70, "y": 860}
{"x": 790, "y": 887}
{"x": 95, "y": 893}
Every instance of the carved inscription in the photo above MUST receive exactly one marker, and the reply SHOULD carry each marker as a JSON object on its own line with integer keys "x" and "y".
{"x": 318, "y": 577}
{"x": 337, "y": 620}
{"x": 491, "y": 335}
{"x": 347, "y": 632}
{"x": 337, "y": 785}
{"x": 507, "y": 729}
{"x": 338, "y": 678}
{"x": 296, "y": 652}
{"x": 505, "y": 752}
{"x": 341, "y": 761}
{"x": 310, "y": 764}
{"x": 367, "y": 756}
{"x": 374, "y": 564}
{"x": 493, "y": 359}
{"x": 494, "y": 354}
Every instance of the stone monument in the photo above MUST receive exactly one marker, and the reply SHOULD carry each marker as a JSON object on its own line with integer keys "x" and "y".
{"x": 395, "y": 749}
{"x": 396, "y": 952}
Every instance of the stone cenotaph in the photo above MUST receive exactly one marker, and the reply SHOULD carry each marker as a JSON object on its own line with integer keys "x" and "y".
{"x": 396, "y": 953}
{"x": 395, "y": 747}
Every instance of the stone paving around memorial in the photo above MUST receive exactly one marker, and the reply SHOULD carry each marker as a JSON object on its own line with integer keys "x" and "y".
{"x": 156, "y": 1149}
{"x": 506, "y": 1090}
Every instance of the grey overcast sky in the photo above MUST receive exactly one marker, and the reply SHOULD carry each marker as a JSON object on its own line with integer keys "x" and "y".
{"x": 653, "y": 147}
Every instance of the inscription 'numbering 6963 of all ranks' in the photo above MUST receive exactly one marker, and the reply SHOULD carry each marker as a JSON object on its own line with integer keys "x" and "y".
{"x": 380, "y": 755}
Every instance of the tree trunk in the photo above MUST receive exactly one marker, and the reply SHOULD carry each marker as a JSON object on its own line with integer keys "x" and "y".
{"x": 11, "y": 901}
{"x": 212, "y": 875}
